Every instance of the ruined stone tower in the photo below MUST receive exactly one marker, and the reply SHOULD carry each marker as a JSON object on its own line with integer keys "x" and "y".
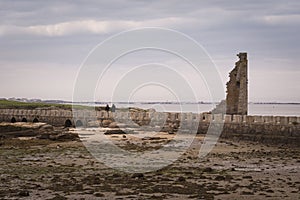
{"x": 236, "y": 102}
{"x": 237, "y": 87}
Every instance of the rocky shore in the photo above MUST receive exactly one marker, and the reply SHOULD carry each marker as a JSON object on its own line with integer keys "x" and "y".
{"x": 35, "y": 130}
{"x": 38, "y": 161}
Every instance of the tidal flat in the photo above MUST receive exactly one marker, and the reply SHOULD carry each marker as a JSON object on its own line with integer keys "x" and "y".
{"x": 32, "y": 168}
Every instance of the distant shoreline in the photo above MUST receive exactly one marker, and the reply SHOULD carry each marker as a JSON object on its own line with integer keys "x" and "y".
{"x": 23, "y": 100}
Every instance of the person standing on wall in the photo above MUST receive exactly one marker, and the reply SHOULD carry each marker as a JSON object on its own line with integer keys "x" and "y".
{"x": 113, "y": 108}
{"x": 107, "y": 108}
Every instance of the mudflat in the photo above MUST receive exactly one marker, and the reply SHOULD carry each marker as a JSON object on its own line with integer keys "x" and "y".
{"x": 32, "y": 168}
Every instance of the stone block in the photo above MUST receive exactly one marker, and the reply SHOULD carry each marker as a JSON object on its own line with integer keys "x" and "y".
{"x": 86, "y": 113}
{"x": 141, "y": 116}
{"x": 268, "y": 119}
{"x": 237, "y": 119}
{"x": 47, "y": 113}
{"x": 292, "y": 120}
{"x": 227, "y": 118}
{"x": 134, "y": 115}
{"x": 105, "y": 115}
{"x": 249, "y": 119}
{"x": 98, "y": 114}
{"x": 172, "y": 117}
{"x": 69, "y": 114}
{"x": 200, "y": 117}
{"x": 163, "y": 117}
{"x": 218, "y": 117}
{"x": 155, "y": 116}
{"x": 189, "y": 117}
{"x": 207, "y": 118}
{"x": 183, "y": 116}
{"x": 196, "y": 117}
{"x": 147, "y": 117}
{"x": 258, "y": 119}
{"x": 284, "y": 120}
{"x": 276, "y": 119}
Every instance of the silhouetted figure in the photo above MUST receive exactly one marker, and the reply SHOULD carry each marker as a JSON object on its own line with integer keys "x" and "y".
{"x": 107, "y": 108}
{"x": 113, "y": 108}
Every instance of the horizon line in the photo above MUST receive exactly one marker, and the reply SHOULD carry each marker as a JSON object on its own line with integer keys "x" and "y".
{"x": 132, "y": 102}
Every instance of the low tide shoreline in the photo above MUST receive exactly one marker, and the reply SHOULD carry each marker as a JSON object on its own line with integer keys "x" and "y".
{"x": 33, "y": 168}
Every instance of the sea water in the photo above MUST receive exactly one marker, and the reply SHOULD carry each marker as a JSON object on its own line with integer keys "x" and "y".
{"x": 253, "y": 109}
{"x": 273, "y": 109}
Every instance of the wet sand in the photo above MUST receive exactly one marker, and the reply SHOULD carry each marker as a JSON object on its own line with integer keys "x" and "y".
{"x": 42, "y": 169}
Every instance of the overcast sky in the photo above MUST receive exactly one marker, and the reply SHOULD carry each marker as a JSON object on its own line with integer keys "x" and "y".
{"x": 43, "y": 43}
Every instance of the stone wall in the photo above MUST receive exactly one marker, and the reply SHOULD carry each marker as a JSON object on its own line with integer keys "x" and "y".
{"x": 54, "y": 117}
{"x": 281, "y": 129}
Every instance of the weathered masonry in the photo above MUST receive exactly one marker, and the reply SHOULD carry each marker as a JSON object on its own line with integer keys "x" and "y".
{"x": 54, "y": 117}
{"x": 237, "y": 89}
{"x": 233, "y": 120}
{"x": 277, "y": 129}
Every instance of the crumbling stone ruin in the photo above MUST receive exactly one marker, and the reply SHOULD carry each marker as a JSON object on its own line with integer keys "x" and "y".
{"x": 237, "y": 89}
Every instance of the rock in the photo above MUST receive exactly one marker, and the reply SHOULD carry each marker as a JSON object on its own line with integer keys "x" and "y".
{"x": 46, "y": 127}
{"x": 152, "y": 138}
{"x": 207, "y": 169}
{"x": 98, "y": 194}
{"x": 116, "y": 175}
{"x": 93, "y": 124}
{"x": 23, "y": 193}
{"x": 137, "y": 175}
{"x": 228, "y": 177}
{"x": 181, "y": 179}
{"x": 52, "y": 137}
{"x": 106, "y": 123}
{"x": 8, "y": 130}
{"x": 270, "y": 191}
{"x": 220, "y": 178}
{"x": 247, "y": 193}
{"x": 113, "y": 125}
{"x": 118, "y": 131}
{"x": 59, "y": 136}
{"x": 67, "y": 136}
{"x": 247, "y": 177}
{"x": 44, "y": 136}
{"x": 59, "y": 197}
{"x": 121, "y": 125}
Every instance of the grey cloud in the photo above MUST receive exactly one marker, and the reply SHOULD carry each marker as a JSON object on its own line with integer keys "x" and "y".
{"x": 267, "y": 29}
{"x": 48, "y": 12}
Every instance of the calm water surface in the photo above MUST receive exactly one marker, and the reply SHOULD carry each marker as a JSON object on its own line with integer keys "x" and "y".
{"x": 254, "y": 109}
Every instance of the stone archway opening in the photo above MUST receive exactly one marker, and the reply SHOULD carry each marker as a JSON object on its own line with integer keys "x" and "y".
{"x": 13, "y": 120}
{"x": 35, "y": 120}
{"x": 68, "y": 123}
{"x": 24, "y": 120}
{"x": 79, "y": 123}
